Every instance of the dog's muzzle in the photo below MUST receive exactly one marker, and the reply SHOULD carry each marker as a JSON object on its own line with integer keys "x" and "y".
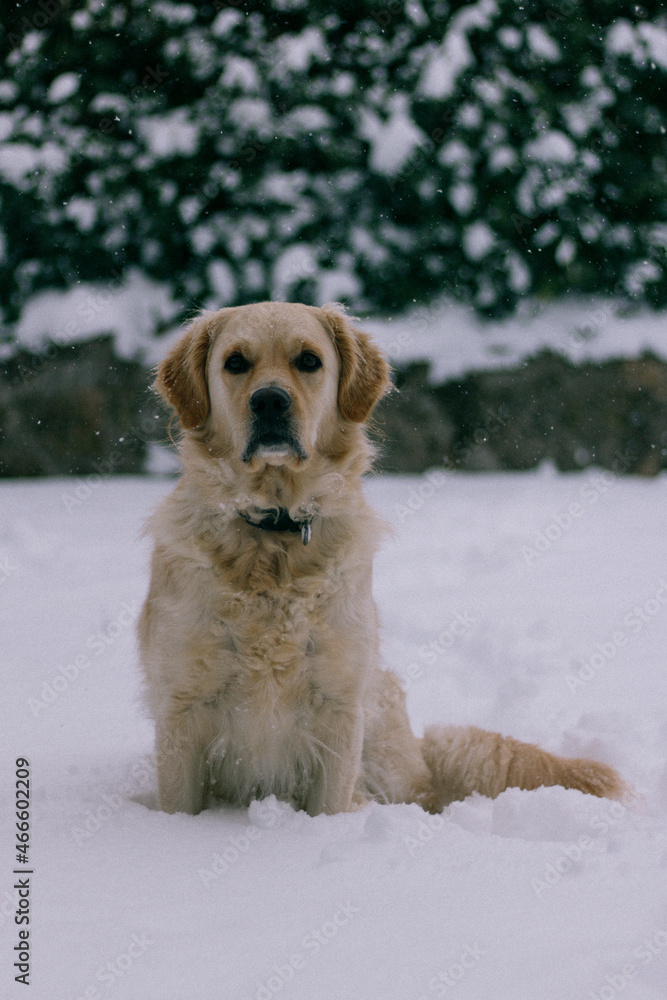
{"x": 272, "y": 432}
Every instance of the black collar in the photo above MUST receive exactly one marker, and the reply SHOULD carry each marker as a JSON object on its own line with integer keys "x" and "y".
{"x": 279, "y": 520}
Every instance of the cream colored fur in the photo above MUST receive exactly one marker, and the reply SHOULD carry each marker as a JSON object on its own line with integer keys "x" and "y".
{"x": 260, "y": 654}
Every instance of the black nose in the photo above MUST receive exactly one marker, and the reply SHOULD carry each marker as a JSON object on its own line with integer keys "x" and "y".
{"x": 272, "y": 401}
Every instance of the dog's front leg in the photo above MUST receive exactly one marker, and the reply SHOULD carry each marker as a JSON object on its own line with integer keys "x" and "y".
{"x": 340, "y": 736}
{"x": 182, "y": 741}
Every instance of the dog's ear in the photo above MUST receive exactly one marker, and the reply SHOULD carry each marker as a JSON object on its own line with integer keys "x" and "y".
{"x": 181, "y": 377}
{"x": 364, "y": 372}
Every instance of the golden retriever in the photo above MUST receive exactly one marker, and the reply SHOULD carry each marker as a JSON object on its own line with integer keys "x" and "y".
{"x": 259, "y": 635}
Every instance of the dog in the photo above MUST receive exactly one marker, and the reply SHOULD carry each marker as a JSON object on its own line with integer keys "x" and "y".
{"x": 259, "y": 635}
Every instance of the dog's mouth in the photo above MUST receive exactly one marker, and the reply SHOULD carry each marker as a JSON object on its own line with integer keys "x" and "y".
{"x": 274, "y": 446}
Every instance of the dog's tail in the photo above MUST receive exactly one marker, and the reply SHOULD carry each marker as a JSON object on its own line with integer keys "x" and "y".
{"x": 464, "y": 759}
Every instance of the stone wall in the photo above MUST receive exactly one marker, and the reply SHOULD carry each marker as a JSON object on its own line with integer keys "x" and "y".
{"x": 74, "y": 411}
{"x": 81, "y": 410}
{"x": 612, "y": 415}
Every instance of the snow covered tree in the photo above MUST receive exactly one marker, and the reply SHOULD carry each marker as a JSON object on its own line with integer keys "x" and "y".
{"x": 371, "y": 152}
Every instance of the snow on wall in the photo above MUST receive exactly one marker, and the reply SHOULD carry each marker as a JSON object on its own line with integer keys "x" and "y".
{"x": 131, "y": 310}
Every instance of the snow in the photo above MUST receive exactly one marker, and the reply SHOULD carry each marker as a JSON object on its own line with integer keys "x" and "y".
{"x": 582, "y": 329}
{"x": 286, "y": 187}
{"x": 451, "y": 336}
{"x": 416, "y": 13}
{"x": 337, "y": 283}
{"x": 81, "y": 19}
{"x": 655, "y": 37}
{"x": 292, "y": 265}
{"x": 392, "y": 141}
{"x": 541, "y": 43}
{"x": 307, "y": 118}
{"x": 502, "y": 158}
{"x": 552, "y": 147}
{"x": 172, "y": 134}
{"x": 225, "y": 22}
{"x": 174, "y": 13}
{"x": 250, "y": 113}
{"x": 110, "y": 102}
{"x": 241, "y": 73}
{"x": 297, "y": 52}
{"x": 203, "y": 238}
{"x": 63, "y": 87}
{"x": 9, "y": 89}
{"x": 455, "y": 153}
{"x": 566, "y": 252}
{"x": 623, "y": 38}
{"x": 478, "y": 240}
{"x": 222, "y": 280}
{"x": 130, "y": 309}
{"x": 454, "y": 55}
{"x": 491, "y": 602}
{"x": 20, "y": 160}
{"x": 6, "y": 125}
{"x": 518, "y": 273}
{"x": 463, "y": 197}
{"x": 83, "y": 211}
{"x": 511, "y": 38}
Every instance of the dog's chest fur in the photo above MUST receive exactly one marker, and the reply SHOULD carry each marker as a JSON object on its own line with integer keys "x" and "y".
{"x": 272, "y": 686}
{"x": 266, "y": 650}
{"x": 274, "y": 630}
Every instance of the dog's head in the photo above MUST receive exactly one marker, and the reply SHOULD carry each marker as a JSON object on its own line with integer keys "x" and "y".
{"x": 272, "y": 383}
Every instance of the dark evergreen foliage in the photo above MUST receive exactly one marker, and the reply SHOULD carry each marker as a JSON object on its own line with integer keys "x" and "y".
{"x": 377, "y": 153}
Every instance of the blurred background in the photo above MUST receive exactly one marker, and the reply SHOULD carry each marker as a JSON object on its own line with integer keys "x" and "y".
{"x": 484, "y": 184}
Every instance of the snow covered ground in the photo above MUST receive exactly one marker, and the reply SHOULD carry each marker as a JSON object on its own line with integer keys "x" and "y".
{"x": 535, "y": 604}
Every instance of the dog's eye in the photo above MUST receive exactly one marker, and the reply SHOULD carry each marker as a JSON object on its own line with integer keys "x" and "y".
{"x": 308, "y": 362}
{"x": 237, "y": 364}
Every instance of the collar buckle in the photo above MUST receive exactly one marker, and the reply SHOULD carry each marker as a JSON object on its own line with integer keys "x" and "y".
{"x": 280, "y": 520}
